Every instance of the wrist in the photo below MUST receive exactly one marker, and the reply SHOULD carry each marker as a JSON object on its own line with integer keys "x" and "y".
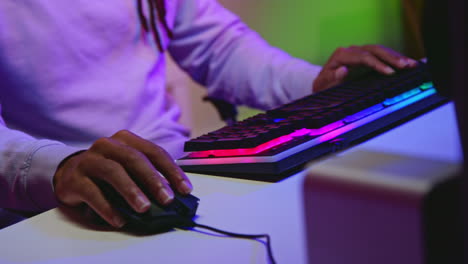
{"x": 60, "y": 167}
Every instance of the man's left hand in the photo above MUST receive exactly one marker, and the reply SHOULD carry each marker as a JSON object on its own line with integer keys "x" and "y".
{"x": 376, "y": 57}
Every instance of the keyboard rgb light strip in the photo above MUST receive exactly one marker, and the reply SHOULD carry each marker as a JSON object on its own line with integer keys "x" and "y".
{"x": 410, "y": 96}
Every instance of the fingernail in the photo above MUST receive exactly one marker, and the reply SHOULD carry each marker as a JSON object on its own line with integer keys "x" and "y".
{"x": 389, "y": 70}
{"x": 118, "y": 221}
{"x": 186, "y": 187}
{"x": 340, "y": 73}
{"x": 165, "y": 195}
{"x": 142, "y": 202}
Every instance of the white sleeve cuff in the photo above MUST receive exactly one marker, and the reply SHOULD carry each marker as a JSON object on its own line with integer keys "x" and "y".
{"x": 39, "y": 171}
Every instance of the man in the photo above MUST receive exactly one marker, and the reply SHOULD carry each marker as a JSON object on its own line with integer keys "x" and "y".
{"x": 82, "y": 93}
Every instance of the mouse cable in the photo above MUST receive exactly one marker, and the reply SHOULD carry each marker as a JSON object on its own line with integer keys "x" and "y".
{"x": 268, "y": 240}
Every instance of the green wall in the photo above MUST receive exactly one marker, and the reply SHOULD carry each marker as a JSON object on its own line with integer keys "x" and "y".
{"x": 313, "y": 29}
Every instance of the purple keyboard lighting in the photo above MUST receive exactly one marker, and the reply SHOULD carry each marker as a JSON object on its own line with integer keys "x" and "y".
{"x": 271, "y": 145}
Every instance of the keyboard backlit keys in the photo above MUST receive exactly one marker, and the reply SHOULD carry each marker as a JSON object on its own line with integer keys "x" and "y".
{"x": 401, "y": 97}
{"x": 363, "y": 113}
{"x": 426, "y": 85}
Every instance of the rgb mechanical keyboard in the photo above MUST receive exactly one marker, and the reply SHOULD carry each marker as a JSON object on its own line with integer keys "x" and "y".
{"x": 272, "y": 145}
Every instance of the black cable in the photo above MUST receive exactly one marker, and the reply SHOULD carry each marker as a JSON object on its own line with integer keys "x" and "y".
{"x": 268, "y": 241}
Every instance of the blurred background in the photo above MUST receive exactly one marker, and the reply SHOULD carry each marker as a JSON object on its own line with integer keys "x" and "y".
{"x": 311, "y": 30}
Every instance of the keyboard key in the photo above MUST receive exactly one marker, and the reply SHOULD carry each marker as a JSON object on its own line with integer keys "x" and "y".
{"x": 401, "y": 97}
{"x": 426, "y": 85}
{"x": 363, "y": 113}
{"x": 320, "y": 112}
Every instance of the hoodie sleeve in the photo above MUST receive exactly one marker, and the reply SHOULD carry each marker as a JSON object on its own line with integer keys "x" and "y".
{"x": 235, "y": 64}
{"x": 27, "y": 167}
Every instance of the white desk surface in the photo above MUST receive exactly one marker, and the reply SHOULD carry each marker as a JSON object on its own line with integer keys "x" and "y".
{"x": 61, "y": 236}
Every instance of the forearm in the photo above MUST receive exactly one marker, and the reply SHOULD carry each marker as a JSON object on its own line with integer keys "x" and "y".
{"x": 259, "y": 75}
{"x": 219, "y": 51}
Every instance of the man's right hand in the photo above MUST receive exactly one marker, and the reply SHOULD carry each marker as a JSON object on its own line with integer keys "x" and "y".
{"x": 125, "y": 161}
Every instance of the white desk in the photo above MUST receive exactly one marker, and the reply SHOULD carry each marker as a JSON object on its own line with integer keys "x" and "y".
{"x": 60, "y": 236}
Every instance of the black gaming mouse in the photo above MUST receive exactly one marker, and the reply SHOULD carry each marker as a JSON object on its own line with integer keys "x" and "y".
{"x": 157, "y": 219}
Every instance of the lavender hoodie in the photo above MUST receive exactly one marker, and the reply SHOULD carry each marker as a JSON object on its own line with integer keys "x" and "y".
{"x": 74, "y": 71}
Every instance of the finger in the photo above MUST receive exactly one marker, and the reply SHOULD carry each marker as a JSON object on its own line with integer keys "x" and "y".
{"x": 92, "y": 196}
{"x": 138, "y": 166}
{"x": 162, "y": 160}
{"x": 360, "y": 57}
{"x": 329, "y": 78}
{"x": 324, "y": 80}
{"x": 390, "y": 56}
{"x": 356, "y": 56}
{"x": 114, "y": 174}
{"x": 340, "y": 74}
